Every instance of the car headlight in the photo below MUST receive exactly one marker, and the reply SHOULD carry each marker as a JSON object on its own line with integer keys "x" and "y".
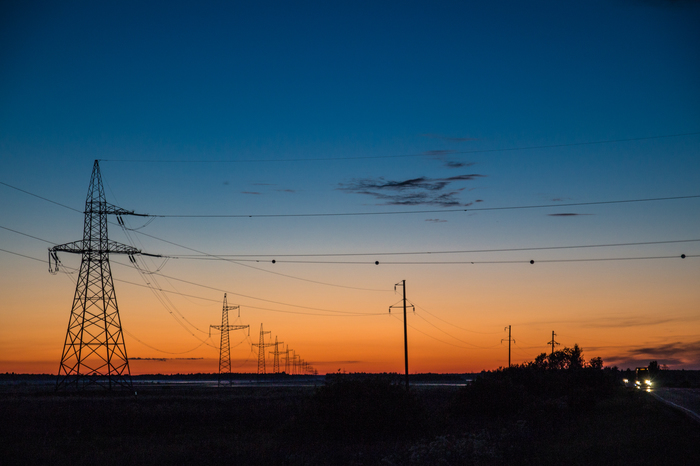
{"x": 648, "y": 382}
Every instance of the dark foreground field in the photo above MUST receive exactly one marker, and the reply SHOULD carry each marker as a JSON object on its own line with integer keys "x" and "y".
{"x": 347, "y": 422}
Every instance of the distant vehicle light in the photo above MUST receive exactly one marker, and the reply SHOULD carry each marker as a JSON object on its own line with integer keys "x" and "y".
{"x": 648, "y": 382}
{"x": 625, "y": 381}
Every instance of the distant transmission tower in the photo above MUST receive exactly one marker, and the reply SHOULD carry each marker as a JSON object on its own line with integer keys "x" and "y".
{"x": 276, "y": 357}
{"x": 94, "y": 352}
{"x": 261, "y": 350}
{"x": 225, "y": 347}
{"x": 286, "y": 359}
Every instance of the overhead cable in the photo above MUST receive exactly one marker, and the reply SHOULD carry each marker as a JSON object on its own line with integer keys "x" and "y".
{"x": 422, "y": 154}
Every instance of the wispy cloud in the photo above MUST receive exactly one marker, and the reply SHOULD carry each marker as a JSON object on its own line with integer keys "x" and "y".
{"x": 448, "y": 138}
{"x": 251, "y": 192}
{"x": 566, "y": 214}
{"x": 164, "y": 359}
{"x": 438, "y": 152}
{"x": 413, "y": 191}
{"x": 286, "y": 191}
{"x": 672, "y": 354}
{"x": 442, "y": 154}
{"x": 453, "y": 164}
{"x": 435, "y": 220}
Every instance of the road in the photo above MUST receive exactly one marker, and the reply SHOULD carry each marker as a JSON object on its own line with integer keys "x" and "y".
{"x": 685, "y": 399}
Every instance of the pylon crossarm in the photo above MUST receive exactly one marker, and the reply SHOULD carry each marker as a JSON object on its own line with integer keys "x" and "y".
{"x": 106, "y": 208}
{"x": 229, "y": 327}
{"x": 79, "y": 247}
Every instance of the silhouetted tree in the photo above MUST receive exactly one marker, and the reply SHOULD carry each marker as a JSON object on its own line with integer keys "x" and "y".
{"x": 567, "y": 358}
{"x": 596, "y": 363}
{"x": 653, "y": 367}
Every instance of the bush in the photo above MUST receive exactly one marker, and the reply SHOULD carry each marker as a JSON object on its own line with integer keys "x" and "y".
{"x": 366, "y": 408}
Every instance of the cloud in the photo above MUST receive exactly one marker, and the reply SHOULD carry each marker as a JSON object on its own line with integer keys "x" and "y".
{"x": 566, "y": 214}
{"x": 672, "y": 354}
{"x": 286, "y": 191}
{"x": 448, "y": 138}
{"x": 342, "y": 362}
{"x": 164, "y": 359}
{"x": 413, "y": 191}
{"x": 453, "y": 164}
{"x": 250, "y": 192}
{"x": 439, "y": 152}
{"x": 436, "y": 220}
{"x": 441, "y": 155}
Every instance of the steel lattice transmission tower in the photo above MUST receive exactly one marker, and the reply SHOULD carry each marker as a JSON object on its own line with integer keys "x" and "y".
{"x": 261, "y": 350}
{"x": 276, "y": 356}
{"x": 225, "y": 347}
{"x": 94, "y": 352}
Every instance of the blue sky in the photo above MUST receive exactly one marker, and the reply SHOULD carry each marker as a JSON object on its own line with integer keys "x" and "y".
{"x": 337, "y": 107}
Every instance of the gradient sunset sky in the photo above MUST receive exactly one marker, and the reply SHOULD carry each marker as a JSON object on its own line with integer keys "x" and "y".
{"x": 250, "y": 130}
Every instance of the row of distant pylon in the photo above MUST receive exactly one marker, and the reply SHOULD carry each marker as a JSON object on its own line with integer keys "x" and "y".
{"x": 293, "y": 363}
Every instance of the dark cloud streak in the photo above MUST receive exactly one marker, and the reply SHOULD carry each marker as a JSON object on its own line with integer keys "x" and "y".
{"x": 413, "y": 191}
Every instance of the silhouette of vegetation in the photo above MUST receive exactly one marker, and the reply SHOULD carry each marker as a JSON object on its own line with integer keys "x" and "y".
{"x": 366, "y": 407}
{"x": 562, "y": 375}
{"x": 547, "y": 412}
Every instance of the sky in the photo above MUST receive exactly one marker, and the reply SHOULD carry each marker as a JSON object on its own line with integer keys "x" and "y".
{"x": 451, "y": 142}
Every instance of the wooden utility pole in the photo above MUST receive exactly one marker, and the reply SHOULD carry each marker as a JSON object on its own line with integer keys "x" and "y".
{"x": 402, "y": 283}
{"x": 509, "y": 340}
{"x": 552, "y": 343}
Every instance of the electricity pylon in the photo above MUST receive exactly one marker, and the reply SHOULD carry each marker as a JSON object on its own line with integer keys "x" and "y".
{"x": 94, "y": 352}
{"x": 261, "y": 350}
{"x": 286, "y": 359}
{"x": 402, "y": 284}
{"x": 276, "y": 357}
{"x": 225, "y": 347}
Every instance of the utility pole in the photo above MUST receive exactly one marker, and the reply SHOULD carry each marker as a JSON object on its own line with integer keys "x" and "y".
{"x": 225, "y": 346}
{"x": 509, "y": 340}
{"x": 276, "y": 357}
{"x": 552, "y": 343}
{"x": 261, "y": 350}
{"x": 94, "y": 352}
{"x": 402, "y": 284}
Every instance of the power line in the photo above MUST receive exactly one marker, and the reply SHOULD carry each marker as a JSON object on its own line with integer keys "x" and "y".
{"x": 370, "y": 157}
{"x": 253, "y": 297}
{"x": 27, "y": 235}
{"x": 224, "y": 257}
{"x": 42, "y": 198}
{"x": 462, "y": 251}
{"x": 431, "y": 211}
{"x": 257, "y": 268}
{"x": 398, "y": 212}
{"x": 456, "y": 326}
{"x": 522, "y": 261}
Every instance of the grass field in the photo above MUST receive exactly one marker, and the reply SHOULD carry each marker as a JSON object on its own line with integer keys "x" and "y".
{"x": 353, "y": 422}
